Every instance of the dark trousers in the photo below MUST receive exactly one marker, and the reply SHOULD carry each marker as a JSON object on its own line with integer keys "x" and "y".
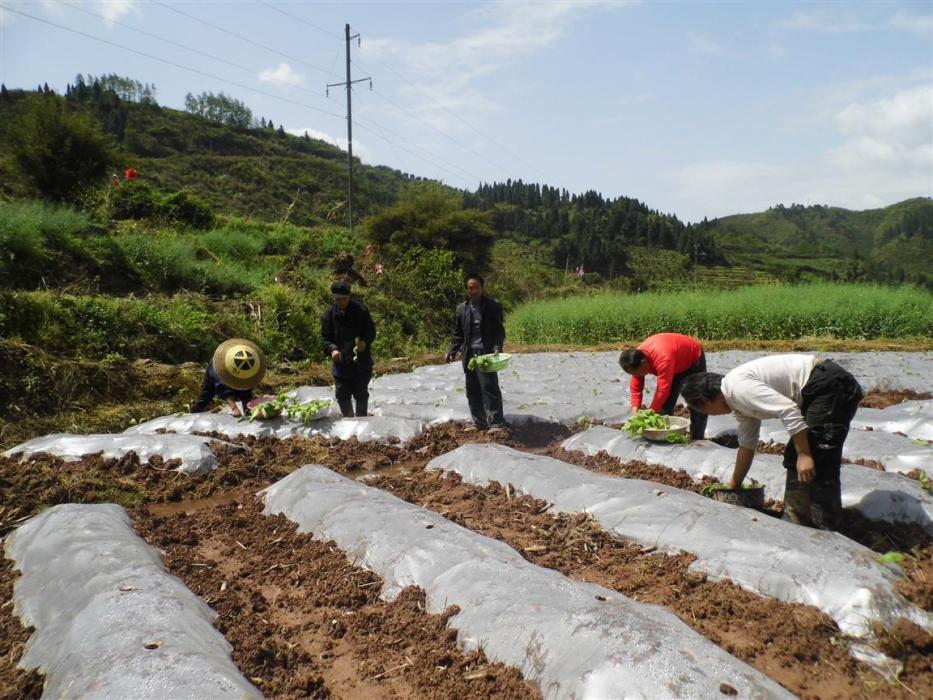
{"x": 697, "y": 419}
{"x": 483, "y": 395}
{"x": 355, "y": 387}
{"x": 830, "y": 400}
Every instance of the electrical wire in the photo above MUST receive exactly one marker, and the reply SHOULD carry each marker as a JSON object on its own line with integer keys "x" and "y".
{"x": 238, "y": 36}
{"x": 373, "y": 129}
{"x": 460, "y": 118}
{"x": 299, "y": 19}
{"x": 173, "y": 63}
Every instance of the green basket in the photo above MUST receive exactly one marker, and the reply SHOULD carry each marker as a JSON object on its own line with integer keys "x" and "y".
{"x": 494, "y": 362}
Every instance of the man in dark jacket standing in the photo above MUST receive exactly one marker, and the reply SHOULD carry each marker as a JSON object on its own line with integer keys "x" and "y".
{"x": 479, "y": 330}
{"x": 348, "y": 331}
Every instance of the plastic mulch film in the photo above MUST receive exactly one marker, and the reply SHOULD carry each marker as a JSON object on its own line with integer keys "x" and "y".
{"x": 371, "y": 428}
{"x": 911, "y": 418}
{"x": 193, "y": 452}
{"x": 762, "y": 554}
{"x": 189, "y": 423}
{"x": 576, "y": 640}
{"x": 896, "y": 452}
{"x": 875, "y": 494}
{"x": 109, "y": 621}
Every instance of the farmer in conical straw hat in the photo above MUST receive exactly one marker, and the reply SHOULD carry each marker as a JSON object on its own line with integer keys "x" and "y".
{"x": 236, "y": 369}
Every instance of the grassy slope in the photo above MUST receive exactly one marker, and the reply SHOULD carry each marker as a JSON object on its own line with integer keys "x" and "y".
{"x": 814, "y": 240}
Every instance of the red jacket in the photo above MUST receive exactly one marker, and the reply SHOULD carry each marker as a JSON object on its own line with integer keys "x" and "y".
{"x": 668, "y": 354}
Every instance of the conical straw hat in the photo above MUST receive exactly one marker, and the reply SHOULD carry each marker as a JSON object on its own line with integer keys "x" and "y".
{"x": 239, "y": 363}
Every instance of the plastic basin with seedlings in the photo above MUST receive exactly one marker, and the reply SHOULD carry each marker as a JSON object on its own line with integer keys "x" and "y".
{"x": 748, "y": 495}
{"x": 493, "y": 362}
{"x": 676, "y": 426}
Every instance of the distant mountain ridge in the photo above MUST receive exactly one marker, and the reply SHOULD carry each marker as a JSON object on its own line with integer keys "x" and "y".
{"x": 264, "y": 173}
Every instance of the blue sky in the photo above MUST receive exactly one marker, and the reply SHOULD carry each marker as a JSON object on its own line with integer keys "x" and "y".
{"x": 697, "y": 109}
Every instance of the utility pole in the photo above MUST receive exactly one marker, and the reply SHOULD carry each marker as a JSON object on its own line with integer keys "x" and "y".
{"x": 349, "y": 86}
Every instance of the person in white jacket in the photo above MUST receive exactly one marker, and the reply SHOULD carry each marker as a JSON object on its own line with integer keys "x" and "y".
{"x": 814, "y": 399}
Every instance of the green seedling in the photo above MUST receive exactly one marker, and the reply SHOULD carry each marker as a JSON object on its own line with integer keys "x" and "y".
{"x": 716, "y": 486}
{"x": 891, "y": 558}
{"x": 645, "y": 419}
{"x": 677, "y": 439}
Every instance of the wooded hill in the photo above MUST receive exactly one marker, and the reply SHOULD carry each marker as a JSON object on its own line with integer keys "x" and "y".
{"x": 259, "y": 171}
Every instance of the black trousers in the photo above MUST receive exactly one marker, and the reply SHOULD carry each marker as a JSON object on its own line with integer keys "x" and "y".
{"x": 830, "y": 399}
{"x": 354, "y": 387}
{"x": 697, "y": 419}
{"x": 483, "y": 395}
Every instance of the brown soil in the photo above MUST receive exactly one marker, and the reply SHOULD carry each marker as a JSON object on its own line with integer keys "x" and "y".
{"x": 14, "y": 682}
{"x": 284, "y": 591}
{"x": 304, "y": 622}
{"x": 883, "y": 399}
{"x": 795, "y": 644}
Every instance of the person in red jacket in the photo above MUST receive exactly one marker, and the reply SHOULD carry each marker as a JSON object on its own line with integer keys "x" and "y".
{"x": 671, "y": 357}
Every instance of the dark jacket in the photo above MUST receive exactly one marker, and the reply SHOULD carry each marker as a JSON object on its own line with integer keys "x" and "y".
{"x": 212, "y": 386}
{"x": 491, "y": 328}
{"x": 340, "y": 331}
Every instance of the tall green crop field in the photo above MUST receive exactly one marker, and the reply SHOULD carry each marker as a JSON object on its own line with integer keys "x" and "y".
{"x": 769, "y": 312}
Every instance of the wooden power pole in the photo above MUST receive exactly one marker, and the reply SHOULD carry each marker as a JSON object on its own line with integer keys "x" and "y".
{"x": 349, "y": 86}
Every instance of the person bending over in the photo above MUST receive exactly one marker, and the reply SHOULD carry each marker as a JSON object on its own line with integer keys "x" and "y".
{"x": 814, "y": 399}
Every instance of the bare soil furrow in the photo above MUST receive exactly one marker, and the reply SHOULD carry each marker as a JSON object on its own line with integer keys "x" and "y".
{"x": 797, "y": 645}
{"x": 305, "y": 622}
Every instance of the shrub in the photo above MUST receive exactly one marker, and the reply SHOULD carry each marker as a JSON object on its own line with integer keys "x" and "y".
{"x": 62, "y": 150}
{"x": 134, "y": 199}
{"x": 187, "y": 209}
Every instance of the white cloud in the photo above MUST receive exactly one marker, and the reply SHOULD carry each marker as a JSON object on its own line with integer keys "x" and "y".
{"x": 110, "y": 10}
{"x": 704, "y": 44}
{"x": 282, "y": 74}
{"x": 885, "y": 155}
{"x": 360, "y": 149}
{"x": 115, "y": 9}
{"x": 918, "y": 24}
{"x": 447, "y": 70}
{"x": 830, "y": 21}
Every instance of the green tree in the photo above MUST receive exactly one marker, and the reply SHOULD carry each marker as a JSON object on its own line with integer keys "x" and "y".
{"x": 429, "y": 215}
{"x": 220, "y": 108}
{"x": 62, "y": 150}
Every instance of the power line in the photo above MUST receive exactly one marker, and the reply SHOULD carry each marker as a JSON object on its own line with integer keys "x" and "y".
{"x": 386, "y": 98}
{"x": 244, "y": 87}
{"x": 299, "y": 19}
{"x": 440, "y": 131}
{"x": 238, "y": 36}
{"x": 157, "y": 37}
{"x": 460, "y": 118}
{"x": 172, "y": 63}
{"x": 412, "y": 153}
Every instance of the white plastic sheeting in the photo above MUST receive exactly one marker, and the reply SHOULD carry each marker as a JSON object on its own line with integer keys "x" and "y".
{"x": 869, "y": 441}
{"x": 189, "y": 423}
{"x": 875, "y": 494}
{"x": 562, "y": 387}
{"x": 767, "y": 556}
{"x": 576, "y": 640}
{"x": 372, "y": 428}
{"x": 110, "y": 622}
{"x": 912, "y": 418}
{"x": 193, "y": 451}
